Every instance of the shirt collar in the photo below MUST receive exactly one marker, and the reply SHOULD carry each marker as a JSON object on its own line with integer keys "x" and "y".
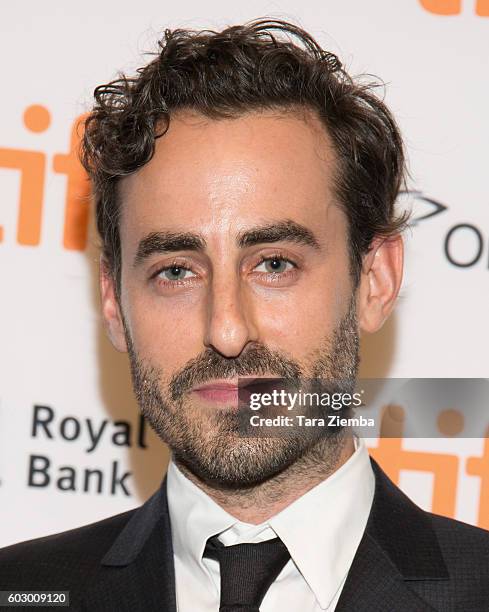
{"x": 194, "y": 518}
{"x": 322, "y": 529}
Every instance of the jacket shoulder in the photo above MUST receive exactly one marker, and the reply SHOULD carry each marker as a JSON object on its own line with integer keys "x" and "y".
{"x": 465, "y": 551}
{"x": 461, "y": 543}
{"x": 57, "y": 560}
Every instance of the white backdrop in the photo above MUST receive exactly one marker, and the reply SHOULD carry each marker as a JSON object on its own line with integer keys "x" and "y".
{"x": 65, "y": 399}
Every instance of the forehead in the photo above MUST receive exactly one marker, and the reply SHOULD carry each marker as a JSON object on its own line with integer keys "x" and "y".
{"x": 226, "y": 174}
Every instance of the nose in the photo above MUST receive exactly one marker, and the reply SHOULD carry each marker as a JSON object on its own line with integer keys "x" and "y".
{"x": 230, "y": 321}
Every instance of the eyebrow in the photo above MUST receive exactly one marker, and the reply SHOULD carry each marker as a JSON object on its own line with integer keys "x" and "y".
{"x": 167, "y": 242}
{"x": 287, "y": 230}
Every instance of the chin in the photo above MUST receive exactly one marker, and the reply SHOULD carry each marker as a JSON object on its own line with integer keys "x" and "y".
{"x": 237, "y": 464}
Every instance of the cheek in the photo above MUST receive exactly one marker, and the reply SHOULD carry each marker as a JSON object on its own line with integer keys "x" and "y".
{"x": 298, "y": 321}
{"x": 165, "y": 332}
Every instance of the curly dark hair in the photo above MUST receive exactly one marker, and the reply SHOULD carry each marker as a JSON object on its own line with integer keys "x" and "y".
{"x": 255, "y": 66}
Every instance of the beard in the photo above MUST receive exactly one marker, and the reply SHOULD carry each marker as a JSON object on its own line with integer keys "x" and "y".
{"x": 210, "y": 442}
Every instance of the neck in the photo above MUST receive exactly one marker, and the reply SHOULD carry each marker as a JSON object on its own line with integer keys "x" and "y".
{"x": 259, "y": 503}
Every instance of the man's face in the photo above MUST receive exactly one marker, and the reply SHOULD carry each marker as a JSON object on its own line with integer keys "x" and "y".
{"x": 235, "y": 262}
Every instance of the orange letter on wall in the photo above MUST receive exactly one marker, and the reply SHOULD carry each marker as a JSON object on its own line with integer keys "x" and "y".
{"x": 442, "y": 7}
{"x": 32, "y": 169}
{"x": 77, "y": 192}
{"x": 31, "y": 165}
{"x": 393, "y": 458}
{"x": 479, "y": 466}
{"x": 482, "y": 8}
{"x": 454, "y": 7}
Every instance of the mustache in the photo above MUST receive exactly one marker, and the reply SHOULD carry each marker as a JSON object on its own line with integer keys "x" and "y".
{"x": 258, "y": 360}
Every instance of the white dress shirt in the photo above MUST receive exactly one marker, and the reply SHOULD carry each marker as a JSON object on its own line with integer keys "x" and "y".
{"x": 322, "y": 530}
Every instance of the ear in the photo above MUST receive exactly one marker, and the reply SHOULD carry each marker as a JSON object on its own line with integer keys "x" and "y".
{"x": 111, "y": 311}
{"x": 380, "y": 282}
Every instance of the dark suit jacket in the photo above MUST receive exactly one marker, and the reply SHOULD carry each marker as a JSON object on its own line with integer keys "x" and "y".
{"x": 408, "y": 561}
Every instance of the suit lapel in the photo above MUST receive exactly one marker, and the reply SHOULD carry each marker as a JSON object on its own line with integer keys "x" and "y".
{"x": 398, "y": 547}
{"x": 137, "y": 573}
{"x": 373, "y": 583}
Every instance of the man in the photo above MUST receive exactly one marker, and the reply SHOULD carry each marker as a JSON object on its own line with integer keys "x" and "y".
{"x": 245, "y": 191}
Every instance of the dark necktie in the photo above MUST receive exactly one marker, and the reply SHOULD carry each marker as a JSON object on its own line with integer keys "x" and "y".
{"x": 247, "y": 571}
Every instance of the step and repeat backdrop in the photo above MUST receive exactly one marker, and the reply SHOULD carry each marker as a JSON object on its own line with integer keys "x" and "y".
{"x": 73, "y": 448}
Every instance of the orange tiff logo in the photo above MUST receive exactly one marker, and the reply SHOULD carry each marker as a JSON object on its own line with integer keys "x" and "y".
{"x": 32, "y": 168}
{"x": 444, "y": 467}
{"x": 454, "y": 7}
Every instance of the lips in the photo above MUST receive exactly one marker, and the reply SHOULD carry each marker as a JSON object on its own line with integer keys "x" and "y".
{"x": 218, "y": 392}
{"x": 221, "y": 391}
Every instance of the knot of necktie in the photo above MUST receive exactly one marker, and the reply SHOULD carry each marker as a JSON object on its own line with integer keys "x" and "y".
{"x": 247, "y": 571}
